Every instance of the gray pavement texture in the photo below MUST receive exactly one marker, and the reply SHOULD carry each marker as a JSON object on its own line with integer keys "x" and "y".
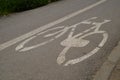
{"x": 40, "y": 63}
{"x": 110, "y": 69}
{"x": 115, "y": 75}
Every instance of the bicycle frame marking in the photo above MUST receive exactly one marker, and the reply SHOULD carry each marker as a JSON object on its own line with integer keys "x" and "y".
{"x": 71, "y": 41}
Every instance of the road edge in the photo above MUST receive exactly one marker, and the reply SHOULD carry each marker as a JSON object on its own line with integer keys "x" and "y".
{"x": 108, "y": 66}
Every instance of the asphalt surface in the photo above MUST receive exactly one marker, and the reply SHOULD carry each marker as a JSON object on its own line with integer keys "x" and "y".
{"x": 22, "y": 57}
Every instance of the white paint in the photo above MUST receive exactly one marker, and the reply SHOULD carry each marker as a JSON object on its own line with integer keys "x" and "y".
{"x": 74, "y": 61}
{"x": 63, "y": 30}
{"x": 23, "y": 43}
{"x": 76, "y": 41}
{"x": 27, "y": 35}
{"x": 71, "y": 41}
{"x": 21, "y": 47}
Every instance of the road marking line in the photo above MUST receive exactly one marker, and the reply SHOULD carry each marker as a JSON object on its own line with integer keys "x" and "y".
{"x": 31, "y": 33}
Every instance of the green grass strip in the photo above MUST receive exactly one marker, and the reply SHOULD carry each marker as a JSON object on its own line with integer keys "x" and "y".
{"x": 9, "y": 6}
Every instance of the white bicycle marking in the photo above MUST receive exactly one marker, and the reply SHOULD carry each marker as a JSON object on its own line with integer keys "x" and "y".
{"x": 71, "y": 41}
{"x": 20, "y": 46}
{"x": 27, "y": 35}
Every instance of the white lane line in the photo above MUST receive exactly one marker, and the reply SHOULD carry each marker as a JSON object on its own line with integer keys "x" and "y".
{"x": 29, "y": 34}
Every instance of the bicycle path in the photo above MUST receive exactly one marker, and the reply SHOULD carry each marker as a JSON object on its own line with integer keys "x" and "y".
{"x": 22, "y": 57}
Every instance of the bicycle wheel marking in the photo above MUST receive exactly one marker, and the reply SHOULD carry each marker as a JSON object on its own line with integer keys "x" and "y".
{"x": 71, "y": 41}
{"x": 21, "y": 47}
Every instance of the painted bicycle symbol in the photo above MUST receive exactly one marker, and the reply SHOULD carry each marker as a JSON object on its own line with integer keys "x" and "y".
{"x": 71, "y": 41}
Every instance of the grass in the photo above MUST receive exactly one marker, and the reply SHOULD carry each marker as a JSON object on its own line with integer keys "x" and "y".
{"x": 9, "y": 6}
